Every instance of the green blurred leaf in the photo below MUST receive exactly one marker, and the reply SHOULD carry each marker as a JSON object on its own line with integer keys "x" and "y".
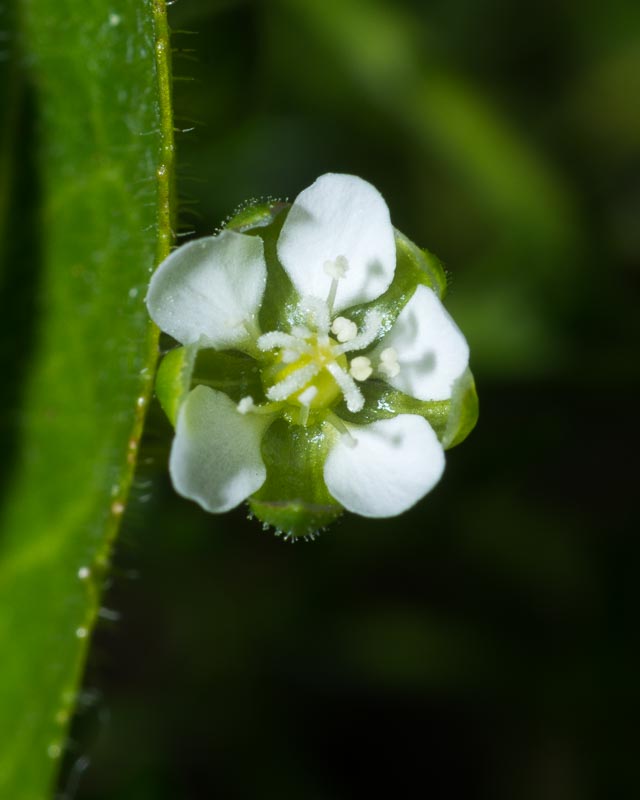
{"x": 500, "y": 181}
{"x": 101, "y": 73}
{"x": 10, "y": 96}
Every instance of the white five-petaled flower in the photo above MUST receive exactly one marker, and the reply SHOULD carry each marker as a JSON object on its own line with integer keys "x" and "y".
{"x": 337, "y": 247}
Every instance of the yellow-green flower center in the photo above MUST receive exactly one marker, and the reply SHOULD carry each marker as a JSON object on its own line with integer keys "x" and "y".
{"x": 317, "y": 392}
{"x": 308, "y": 369}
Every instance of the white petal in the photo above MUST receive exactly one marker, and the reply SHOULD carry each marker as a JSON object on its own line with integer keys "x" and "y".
{"x": 206, "y": 289}
{"x": 215, "y": 457}
{"x": 339, "y": 215}
{"x": 432, "y": 351}
{"x": 393, "y": 464}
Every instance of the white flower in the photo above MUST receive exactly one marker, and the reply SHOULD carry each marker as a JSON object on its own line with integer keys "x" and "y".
{"x": 338, "y": 248}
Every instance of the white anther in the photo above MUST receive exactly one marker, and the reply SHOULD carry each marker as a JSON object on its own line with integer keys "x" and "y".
{"x": 367, "y": 334}
{"x": 337, "y": 268}
{"x": 360, "y": 368}
{"x": 246, "y": 405}
{"x": 344, "y": 329}
{"x": 306, "y": 397}
{"x": 389, "y": 362}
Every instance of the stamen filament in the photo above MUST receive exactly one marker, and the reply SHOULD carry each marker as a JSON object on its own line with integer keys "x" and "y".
{"x": 252, "y": 328}
{"x": 336, "y": 269}
{"x": 269, "y": 341}
{"x": 247, "y": 406}
{"x": 294, "y": 382}
{"x": 342, "y": 429}
{"x": 317, "y": 313}
{"x": 306, "y": 398}
{"x": 301, "y": 332}
{"x": 352, "y": 395}
{"x": 331, "y": 298}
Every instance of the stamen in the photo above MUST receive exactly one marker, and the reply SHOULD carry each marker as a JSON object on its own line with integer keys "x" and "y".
{"x": 269, "y": 341}
{"x": 251, "y": 327}
{"x": 336, "y": 269}
{"x": 370, "y": 330}
{"x": 318, "y": 313}
{"x": 300, "y": 332}
{"x": 306, "y": 397}
{"x": 289, "y": 356}
{"x": 389, "y": 362}
{"x": 293, "y": 383}
{"x": 344, "y": 329}
{"x": 246, "y": 405}
{"x": 342, "y": 429}
{"x": 360, "y": 368}
{"x": 352, "y": 395}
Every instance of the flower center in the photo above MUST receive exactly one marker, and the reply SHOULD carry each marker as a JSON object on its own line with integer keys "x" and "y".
{"x": 303, "y": 372}
{"x": 311, "y": 367}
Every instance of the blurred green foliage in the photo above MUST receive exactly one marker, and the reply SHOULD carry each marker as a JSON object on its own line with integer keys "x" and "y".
{"x": 484, "y": 644}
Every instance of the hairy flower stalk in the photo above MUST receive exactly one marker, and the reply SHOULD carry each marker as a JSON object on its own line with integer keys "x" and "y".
{"x": 358, "y": 377}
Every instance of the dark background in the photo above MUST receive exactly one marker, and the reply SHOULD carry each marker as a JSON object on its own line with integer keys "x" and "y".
{"x": 482, "y": 645}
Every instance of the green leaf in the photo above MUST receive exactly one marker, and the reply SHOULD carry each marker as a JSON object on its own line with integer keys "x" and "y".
{"x": 101, "y": 73}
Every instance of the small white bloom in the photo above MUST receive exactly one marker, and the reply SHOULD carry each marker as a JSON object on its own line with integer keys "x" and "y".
{"x": 337, "y": 246}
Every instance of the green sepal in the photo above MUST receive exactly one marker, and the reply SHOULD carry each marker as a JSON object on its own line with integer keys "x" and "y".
{"x": 452, "y": 420}
{"x": 279, "y": 309}
{"x": 418, "y": 264}
{"x": 229, "y": 371}
{"x": 463, "y": 413}
{"x": 414, "y": 266}
{"x": 294, "y": 498}
{"x": 382, "y": 401}
{"x": 253, "y": 216}
{"x": 173, "y": 380}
